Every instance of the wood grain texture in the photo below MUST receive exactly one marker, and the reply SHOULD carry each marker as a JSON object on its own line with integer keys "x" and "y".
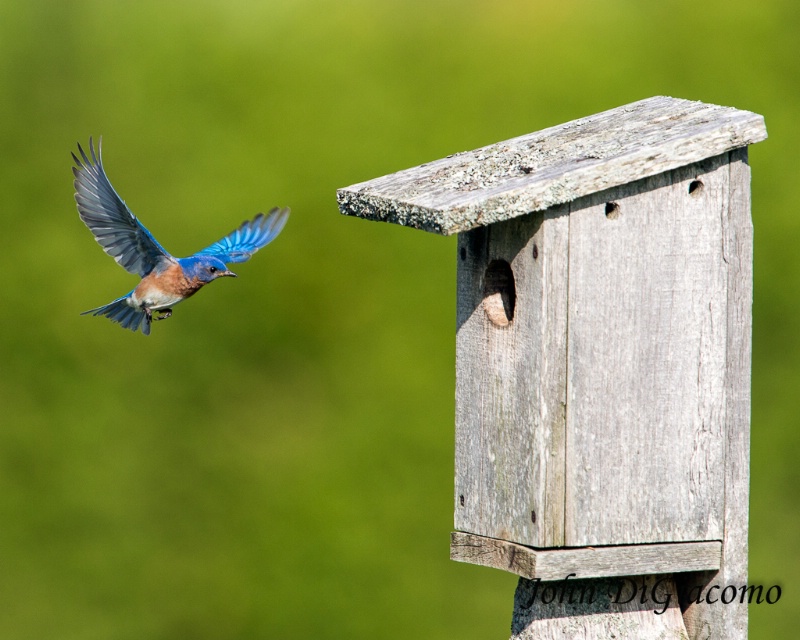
{"x": 553, "y": 166}
{"x": 707, "y": 620}
{"x": 510, "y": 383}
{"x": 621, "y": 321}
{"x": 646, "y": 360}
{"x": 585, "y": 562}
{"x": 598, "y": 616}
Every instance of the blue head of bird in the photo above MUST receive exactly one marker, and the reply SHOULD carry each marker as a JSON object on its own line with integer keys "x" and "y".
{"x": 205, "y": 268}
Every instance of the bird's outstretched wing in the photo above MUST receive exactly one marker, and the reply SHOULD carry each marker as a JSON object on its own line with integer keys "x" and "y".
{"x": 253, "y": 234}
{"x": 114, "y": 226}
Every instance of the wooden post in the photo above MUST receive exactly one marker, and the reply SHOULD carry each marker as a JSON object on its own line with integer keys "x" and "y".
{"x": 603, "y": 362}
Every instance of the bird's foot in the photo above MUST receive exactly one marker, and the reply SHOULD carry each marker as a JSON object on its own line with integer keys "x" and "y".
{"x": 165, "y": 313}
{"x": 148, "y": 314}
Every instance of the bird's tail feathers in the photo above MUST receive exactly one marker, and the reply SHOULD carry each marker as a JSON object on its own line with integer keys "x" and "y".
{"x": 127, "y": 316}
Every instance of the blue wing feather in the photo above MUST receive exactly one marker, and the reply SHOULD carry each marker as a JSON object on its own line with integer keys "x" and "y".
{"x": 114, "y": 226}
{"x": 253, "y": 234}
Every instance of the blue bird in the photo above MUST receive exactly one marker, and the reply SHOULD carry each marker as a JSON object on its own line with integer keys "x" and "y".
{"x": 166, "y": 280}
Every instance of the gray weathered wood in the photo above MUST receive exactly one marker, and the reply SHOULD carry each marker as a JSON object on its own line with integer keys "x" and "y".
{"x": 553, "y": 166}
{"x": 647, "y": 330}
{"x": 585, "y": 562}
{"x": 510, "y": 383}
{"x": 603, "y": 356}
{"x": 599, "y": 616}
{"x": 730, "y": 621}
{"x": 641, "y": 348}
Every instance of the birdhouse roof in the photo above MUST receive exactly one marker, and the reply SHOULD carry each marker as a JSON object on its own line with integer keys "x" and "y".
{"x": 553, "y": 166}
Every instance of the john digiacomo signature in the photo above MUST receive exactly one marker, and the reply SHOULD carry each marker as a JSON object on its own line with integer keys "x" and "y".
{"x": 626, "y": 590}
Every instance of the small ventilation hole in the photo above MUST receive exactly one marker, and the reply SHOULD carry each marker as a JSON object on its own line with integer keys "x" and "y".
{"x": 695, "y": 188}
{"x": 612, "y": 210}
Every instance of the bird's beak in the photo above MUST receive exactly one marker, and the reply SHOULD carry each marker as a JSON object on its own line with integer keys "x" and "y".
{"x": 228, "y": 273}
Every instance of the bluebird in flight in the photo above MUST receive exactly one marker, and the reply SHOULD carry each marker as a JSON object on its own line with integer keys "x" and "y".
{"x": 166, "y": 280}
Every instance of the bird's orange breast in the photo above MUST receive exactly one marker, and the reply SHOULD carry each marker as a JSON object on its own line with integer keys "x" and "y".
{"x": 171, "y": 282}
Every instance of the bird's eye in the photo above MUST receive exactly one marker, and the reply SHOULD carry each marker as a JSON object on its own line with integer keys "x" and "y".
{"x": 212, "y": 269}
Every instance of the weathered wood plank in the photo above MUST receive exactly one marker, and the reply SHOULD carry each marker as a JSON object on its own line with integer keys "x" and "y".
{"x": 646, "y": 360}
{"x": 730, "y": 621}
{"x": 553, "y": 166}
{"x": 598, "y": 610}
{"x": 469, "y": 448}
{"x": 510, "y": 452}
{"x": 585, "y": 562}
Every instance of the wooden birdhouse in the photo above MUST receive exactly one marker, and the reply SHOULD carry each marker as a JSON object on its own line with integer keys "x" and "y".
{"x": 603, "y": 341}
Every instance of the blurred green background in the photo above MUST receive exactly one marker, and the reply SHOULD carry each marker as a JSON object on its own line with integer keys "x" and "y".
{"x": 276, "y": 460}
